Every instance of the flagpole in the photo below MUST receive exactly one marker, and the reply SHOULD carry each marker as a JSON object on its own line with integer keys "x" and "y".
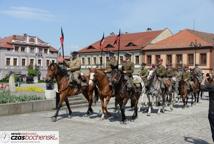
{"x": 118, "y": 52}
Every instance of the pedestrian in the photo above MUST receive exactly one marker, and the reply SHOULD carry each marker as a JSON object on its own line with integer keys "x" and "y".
{"x": 210, "y": 87}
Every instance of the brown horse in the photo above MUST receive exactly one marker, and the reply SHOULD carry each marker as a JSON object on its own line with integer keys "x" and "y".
{"x": 183, "y": 90}
{"x": 196, "y": 87}
{"x": 122, "y": 95}
{"x": 54, "y": 71}
{"x": 98, "y": 78}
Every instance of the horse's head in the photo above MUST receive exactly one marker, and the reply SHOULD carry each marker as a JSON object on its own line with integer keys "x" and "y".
{"x": 151, "y": 74}
{"x": 92, "y": 72}
{"x": 51, "y": 71}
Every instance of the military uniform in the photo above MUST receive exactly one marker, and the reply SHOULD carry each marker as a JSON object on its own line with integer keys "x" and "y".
{"x": 198, "y": 73}
{"x": 128, "y": 69}
{"x": 74, "y": 66}
{"x": 144, "y": 73}
{"x": 169, "y": 73}
{"x": 161, "y": 73}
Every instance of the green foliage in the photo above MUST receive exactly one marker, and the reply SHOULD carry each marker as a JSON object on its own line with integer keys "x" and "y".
{"x": 33, "y": 71}
{"x": 7, "y": 97}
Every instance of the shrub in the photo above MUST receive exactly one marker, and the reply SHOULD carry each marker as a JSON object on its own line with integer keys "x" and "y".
{"x": 7, "y": 97}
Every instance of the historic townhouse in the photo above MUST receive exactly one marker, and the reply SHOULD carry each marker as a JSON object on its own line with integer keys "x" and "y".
{"x": 129, "y": 42}
{"x": 19, "y": 51}
{"x": 187, "y": 47}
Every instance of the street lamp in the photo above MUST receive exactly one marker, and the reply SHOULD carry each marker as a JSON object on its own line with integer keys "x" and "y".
{"x": 196, "y": 45}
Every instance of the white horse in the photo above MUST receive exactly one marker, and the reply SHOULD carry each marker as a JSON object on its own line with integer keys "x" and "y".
{"x": 143, "y": 98}
{"x": 155, "y": 93}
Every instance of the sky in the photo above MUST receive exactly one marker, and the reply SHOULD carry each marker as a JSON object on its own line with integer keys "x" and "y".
{"x": 85, "y": 21}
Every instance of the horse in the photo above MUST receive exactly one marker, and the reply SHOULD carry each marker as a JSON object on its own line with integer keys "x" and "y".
{"x": 183, "y": 90}
{"x": 143, "y": 98}
{"x": 122, "y": 94}
{"x": 155, "y": 91}
{"x": 195, "y": 88}
{"x": 54, "y": 71}
{"x": 98, "y": 78}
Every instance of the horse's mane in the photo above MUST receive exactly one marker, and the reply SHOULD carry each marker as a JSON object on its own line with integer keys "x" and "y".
{"x": 61, "y": 69}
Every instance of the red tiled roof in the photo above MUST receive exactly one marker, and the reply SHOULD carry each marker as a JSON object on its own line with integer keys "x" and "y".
{"x": 139, "y": 40}
{"x": 8, "y": 44}
{"x": 183, "y": 39}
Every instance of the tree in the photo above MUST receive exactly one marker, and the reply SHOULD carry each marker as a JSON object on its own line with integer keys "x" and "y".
{"x": 32, "y": 72}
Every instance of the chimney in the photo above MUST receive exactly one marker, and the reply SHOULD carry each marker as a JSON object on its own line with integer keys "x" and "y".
{"x": 25, "y": 35}
{"x": 126, "y": 32}
{"x": 149, "y": 29}
{"x": 14, "y": 37}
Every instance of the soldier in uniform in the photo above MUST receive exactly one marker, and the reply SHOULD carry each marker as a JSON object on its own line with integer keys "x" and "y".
{"x": 161, "y": 72}
{"x": 144, "y": 72}
{"x": 128, "y": 69}
{"x": 111, "y": 65}
{"x": 74, "y": 66}
{"x": 169, "y": 71}
{"x": 198, "y": 73}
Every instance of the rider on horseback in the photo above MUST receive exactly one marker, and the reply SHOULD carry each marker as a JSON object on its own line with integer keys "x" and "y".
{"x": 161, "y": 72}
{"x": 198, "y": 73}
{"x": 128, "y": 69}
{"x": 144, "y": 72}
{"x": 110, "y": 66}
{"x": 186, "y": 75}
{"x": 74, "y": 66}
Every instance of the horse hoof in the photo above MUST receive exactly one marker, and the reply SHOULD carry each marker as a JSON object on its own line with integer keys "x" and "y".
{"x": 69, "y": 116}
{"x": 148, "y": 114}
{"x": 53, "y": 119}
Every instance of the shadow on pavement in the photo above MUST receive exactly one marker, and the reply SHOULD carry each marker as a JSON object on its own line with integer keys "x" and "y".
{"x": 195, "y": 140}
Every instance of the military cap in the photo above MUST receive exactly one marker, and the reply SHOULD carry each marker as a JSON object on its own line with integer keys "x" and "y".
{"x": 74, "y": 53}
{"x": 160, "y": 60}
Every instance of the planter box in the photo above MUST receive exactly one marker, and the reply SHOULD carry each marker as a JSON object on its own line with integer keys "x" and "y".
{"x": 26, "y": 107}
{"x": 50, "y": 94}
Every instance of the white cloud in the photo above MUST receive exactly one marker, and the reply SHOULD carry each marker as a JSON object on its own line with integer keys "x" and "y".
{"x": 29, "y": 13}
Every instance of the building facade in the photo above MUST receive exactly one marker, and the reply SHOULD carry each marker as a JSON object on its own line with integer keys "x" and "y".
{"x": 187, "y": 47}
{"x": 17, "y": 52}
{"x": 94, "y": 54}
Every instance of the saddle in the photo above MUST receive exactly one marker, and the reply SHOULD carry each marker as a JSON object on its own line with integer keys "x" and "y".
{"x": 167, "y": 82}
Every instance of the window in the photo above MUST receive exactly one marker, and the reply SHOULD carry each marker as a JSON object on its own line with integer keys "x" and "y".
{"x": 137, "y": 61}
{"x": 203, "y": 59}
{"x": 149, "y": 59}
{"x": 47, "y": 62}
{"x": 53, "y": 61}
{"x": 15, "y": 62}
{"x": 109, "y": 46}
{"x": 39, "y": 62}
{"x": 16, "y": 48}
{"x": 40, "y": 50}
{"x": 83, "y": 61}
{"x": 101, "y": 60}
{"x": 169, "y": 59}
{"x": 130, "y": 44}
{"x": 23, "y": 62}
{"x": 31, "y": 62}
{"x": 179, "y": 59}
{"x": 45, "y": 51}
{"x": 157, "y": 58}
{"x": 7, "y": 61}
{"x": 107, "y": 59}
{"x": 89, "y": 61}
{"x": 22, "y": 49}
{"x": 32, "y": 49}
{"x": 95, "y": 60}
{"x": 121, "y": 59}
{"x": 190, "y": 59}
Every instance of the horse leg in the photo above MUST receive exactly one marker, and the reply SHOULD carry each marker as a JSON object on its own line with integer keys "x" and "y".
{"x": 102, "y": 108}
{"x": 54, "y": 118}
{"x": 115, "y": 104}
{"x": 135, "y": 102}
{"x": 122, "y": 109}
{"x": 149, "y": 105}
{"x": 68, "y": 106}
{"x": 88, "y": 96}
{"x": 106, "y": 101}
